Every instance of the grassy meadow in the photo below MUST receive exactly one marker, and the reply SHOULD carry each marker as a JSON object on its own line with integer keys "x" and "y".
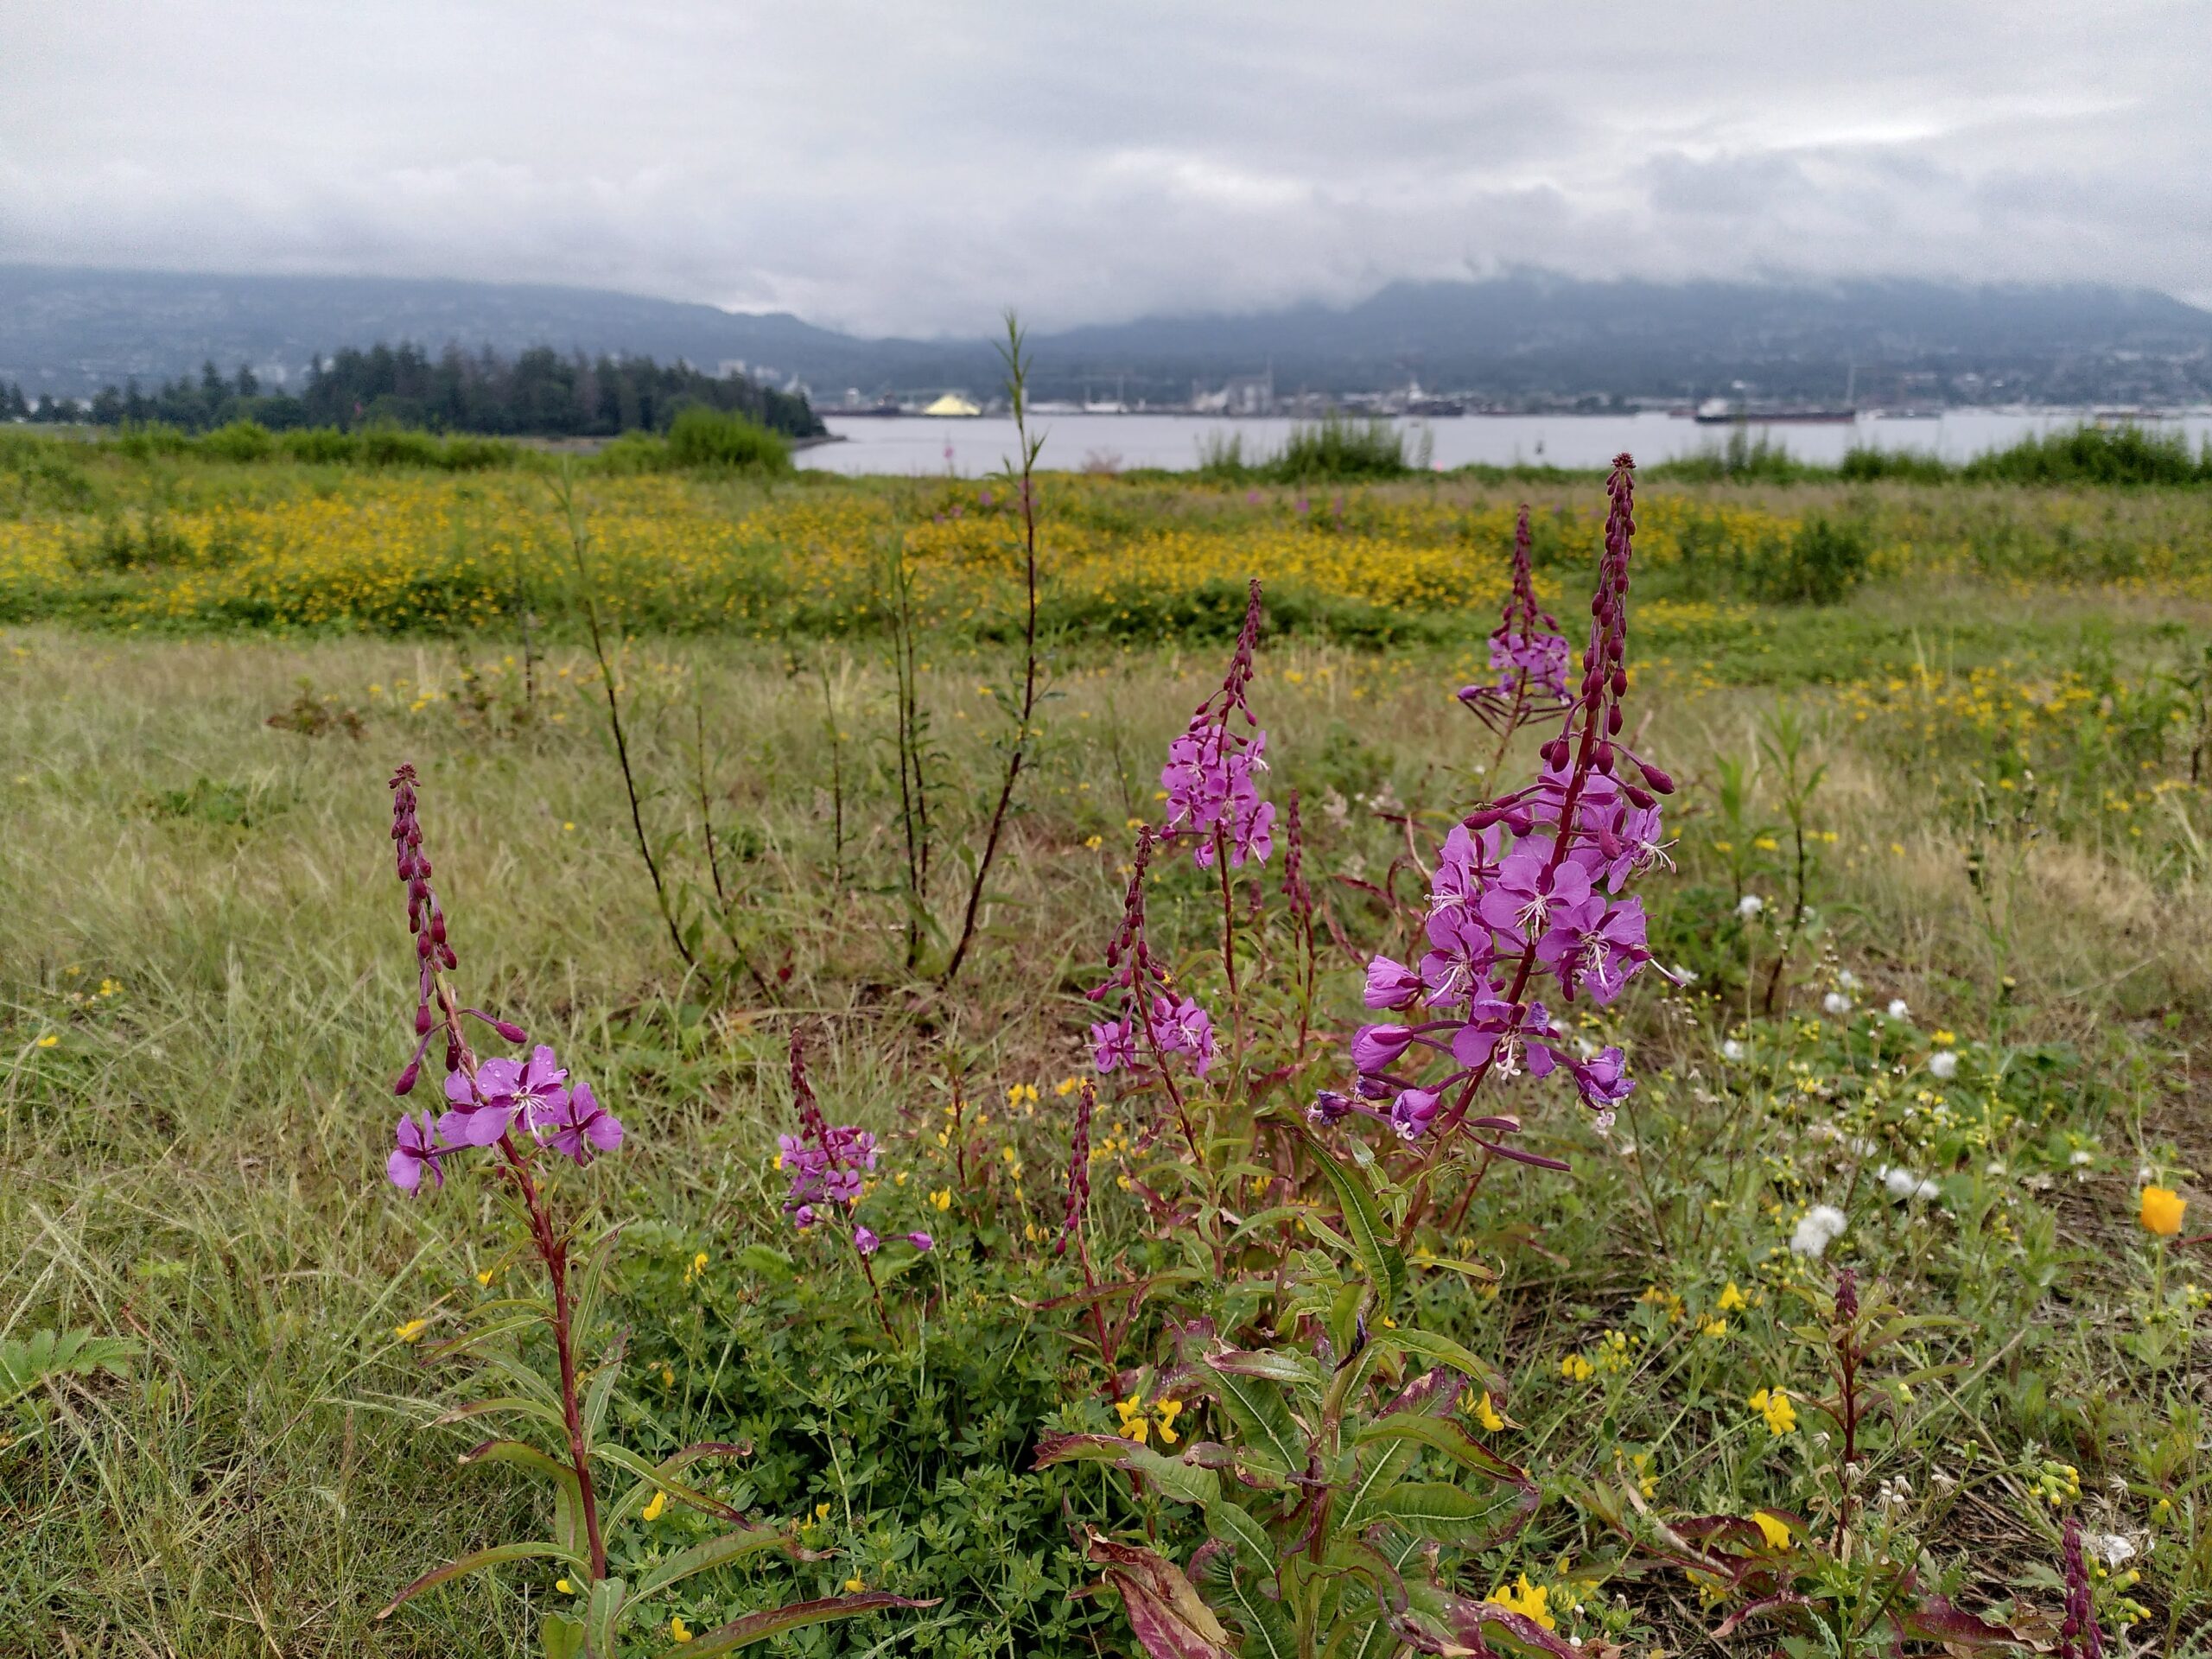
{"x": 1955, "y": 738}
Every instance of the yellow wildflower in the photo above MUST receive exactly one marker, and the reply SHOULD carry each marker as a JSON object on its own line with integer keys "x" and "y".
{"x": 678, "y": 1629}
{"x": 564, "y": 1586}
{"x": 1529, "y": 1600}
{"x": 412, "y": 1331}
{"x": 1487, "y": 1414}
{"x": 1732, "y": 1300}
{"x": 856, "y": 1584}
{"x": 942, "y": 1199}
{"x": 1774, "y": 1404}
{"x": 1136, "y": 1424}
{"x": 2162, "y": 1209}
{"x": 652, "y": 1510}
{"x": 1775, "y": 1529}
{"x": 1575, "y": 1368}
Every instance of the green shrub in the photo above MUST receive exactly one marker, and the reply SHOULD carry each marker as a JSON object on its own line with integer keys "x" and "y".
{"x": 1864, "y": 464}
{"x": 320, "y": 445}
{"x": 1825, "y": 560}
{"x": 706, "y": 438}
{"x": 153, "y": 438}
{"x": 1341, "y": 447}
{"x": 239, "y": 441}
{"x": 2096, "y": 454}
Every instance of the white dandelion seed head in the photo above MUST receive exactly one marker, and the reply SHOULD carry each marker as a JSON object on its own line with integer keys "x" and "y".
{"x": 1943, "y": 1065}
{"x": 1821, "y": 1226}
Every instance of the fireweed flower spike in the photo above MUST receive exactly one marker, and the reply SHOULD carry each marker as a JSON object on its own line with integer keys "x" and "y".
{"x": 1212, "y": 796}
{"x": 1529, "y": 887}
{"x": 1528, "y": 650}
{"x": 1145, "y": 1010}
{"x": 488, "y": 1099}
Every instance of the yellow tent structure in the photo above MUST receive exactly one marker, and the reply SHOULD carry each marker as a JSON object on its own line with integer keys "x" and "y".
{"x": 953, "y": 403}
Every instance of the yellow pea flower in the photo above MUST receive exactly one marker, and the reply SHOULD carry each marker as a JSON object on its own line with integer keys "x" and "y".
{"x": 1487, "y": 1414}
{"x": 1732, "y": 1300}
{"x": 1775, "y": 1529}
{"x": 1529, "y": 1600}
{"x": 678, "y": 1629}
{"x": 652, "y": 1510}
{"x": 412, "y": 1331}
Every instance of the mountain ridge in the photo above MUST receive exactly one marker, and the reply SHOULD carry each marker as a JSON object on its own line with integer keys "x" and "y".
{"x": 1518, "y": 334}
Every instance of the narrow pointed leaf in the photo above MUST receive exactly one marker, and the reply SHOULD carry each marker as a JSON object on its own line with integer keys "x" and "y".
{"x": 476, "y": 1563}
{"x": 774, "y": 1621}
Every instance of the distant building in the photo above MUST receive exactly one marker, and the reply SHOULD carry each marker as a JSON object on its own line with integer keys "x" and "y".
{"x": 1245, "y": 394}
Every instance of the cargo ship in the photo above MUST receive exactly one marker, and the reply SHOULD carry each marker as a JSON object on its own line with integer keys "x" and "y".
{"x": 1719, "y": 411}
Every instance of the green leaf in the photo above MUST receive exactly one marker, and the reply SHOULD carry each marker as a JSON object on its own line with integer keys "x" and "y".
{"x": 1185, "y": 1483}
{"x": 1235, "y": 1525}
{"x": 630, "y": 1464}
{"x": 1261, "y": 1414}
{"x": 1379, "y": 1471}
{"x": 1442, "y": 1351}
{"x": 1379, "y": 1255}
{"x": 730, "y": 1546}
{"x": 538, "y": 1408}
{"x": 759, "y": 1627}
{"x": 662, "y": 1478}
{"x": 568, "y": 1491}
{"x": 477, "y": 1562}
{"x": 561, "y": 1638}
{"x": 602, "y": 1617}
{"x": 1267, "y": 1632}
{"x": 601, "y": 1394}
{"x": 1434, "y": 1509}
{"x": 27, "y": 1363}
{"x": 1442, "y": 1434}
{"x": 766, "y": 1260}
{"x": 593, "y": 1284}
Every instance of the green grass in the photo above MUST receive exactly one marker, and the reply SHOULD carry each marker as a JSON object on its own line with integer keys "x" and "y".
{"x": 203, "y": 919}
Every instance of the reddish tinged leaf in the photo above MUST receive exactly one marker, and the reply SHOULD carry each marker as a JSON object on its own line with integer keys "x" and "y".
{"x": 1751, "y": 1610}
{"x": 1435, "y": 1391}
{"x": 1165, "y": 1613}
{"x": 774, "y": 1621}
{"x": 1470, "y": 1627}
{"x": 1936, "y": 1620}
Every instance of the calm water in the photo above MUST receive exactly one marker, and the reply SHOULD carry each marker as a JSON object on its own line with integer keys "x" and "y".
{"x": 972, "y": 448}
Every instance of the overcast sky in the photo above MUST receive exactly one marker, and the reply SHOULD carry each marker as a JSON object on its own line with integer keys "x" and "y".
{"x": 903, "y": 166}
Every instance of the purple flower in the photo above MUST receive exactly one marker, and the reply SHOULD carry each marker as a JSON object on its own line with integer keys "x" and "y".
{"x": 1603, "y": 1078}
{"x": 921, "y": 1241}
{"x": 418, "y": 1147}
{"x": 582, "y": 1128}
{"x": 866, "y": 1242}
{"x": 1413, "y": 1112}
{"x": 1183, "y": 1028}
{"x": 475, "y": 1120}
{"x": 1329, "y": 1107}
{"x": 1376, "y": 1048}
{"x": 1529, "y": 887}
{"x": 1391, "y": 984}
{"x": 1113, "y": 1045}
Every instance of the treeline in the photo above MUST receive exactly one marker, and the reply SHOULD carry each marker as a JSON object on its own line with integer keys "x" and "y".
{"x": 539, "y": 393}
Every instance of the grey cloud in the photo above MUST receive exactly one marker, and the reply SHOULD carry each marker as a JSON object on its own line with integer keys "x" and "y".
{"x": 911, "y": 168}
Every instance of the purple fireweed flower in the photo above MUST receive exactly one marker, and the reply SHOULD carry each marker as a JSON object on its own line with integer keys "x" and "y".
{"x": 1329, "y": 1107}
{"x": 2078, "y": 1636}
{"x": 1113, "y": 1045}
{"x": 1210, "y": 779}
{"x": 866, "y": 1242}
{"x": 475, "y": 1119}
{"x": 1531, "y": 885}
{"x": 419, "y": 1148}
{"x": 1391, "y": 984}
{"x": 1183, "y": 1028}
{"x": 580, "y": 1128}
{"x": 921, "y": 1241}
{"x": 1414, "y": 1111}
{"x": 1526, "y": 648}
{"x": 1172, "y": 1024}
{"x": 1376, "y": 1048}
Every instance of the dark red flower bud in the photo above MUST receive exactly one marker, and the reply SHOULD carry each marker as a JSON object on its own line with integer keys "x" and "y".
{"x": 1658, "y": 779}
{"x": 406, "y": 1084}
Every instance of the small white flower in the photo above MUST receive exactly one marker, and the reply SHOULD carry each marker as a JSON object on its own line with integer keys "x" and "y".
{"x": 1903, "y": 1184}
{"x": 1750, "y": 906}
{"x": 1732, "y": 1050}
{"x": 2144, "y": 1175}
{"x": 1836, "y": 1003}
{"x": 1944, "y": 1064}
{"x": 2111, "y": 1546}
{"x": 2080, "y": 1159}
{"x": 1848, "y": 980}
{"x": 1821, "y": 1226}
{"x": 1897, "y": 1009}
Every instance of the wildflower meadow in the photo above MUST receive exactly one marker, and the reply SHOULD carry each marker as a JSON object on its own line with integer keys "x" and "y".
{"x": 636, "y": 1063}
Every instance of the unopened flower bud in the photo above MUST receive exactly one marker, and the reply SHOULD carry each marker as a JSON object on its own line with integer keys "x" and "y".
{"x": 406, "y": 1084}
